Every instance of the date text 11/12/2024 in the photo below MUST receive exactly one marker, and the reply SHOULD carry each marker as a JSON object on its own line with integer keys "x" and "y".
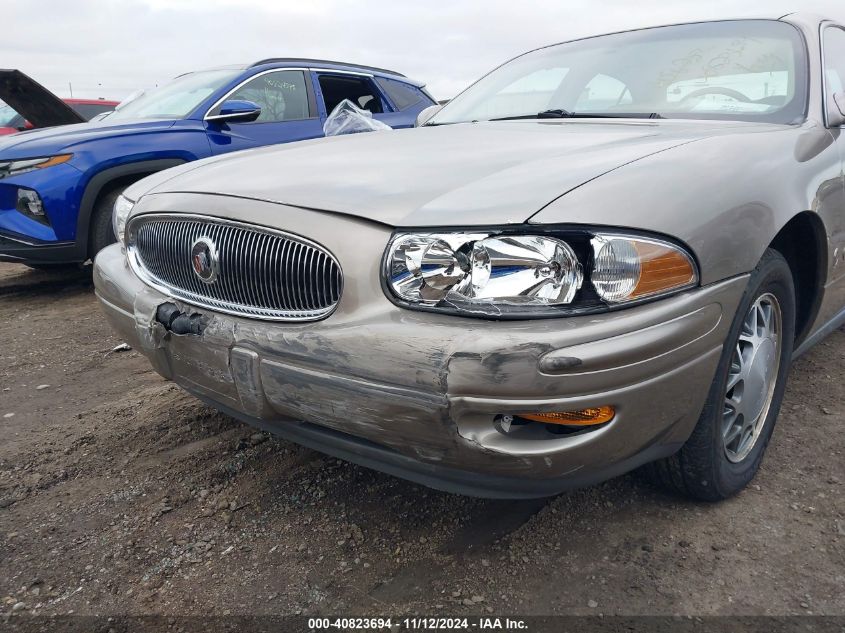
{"x": 418, "y": 624}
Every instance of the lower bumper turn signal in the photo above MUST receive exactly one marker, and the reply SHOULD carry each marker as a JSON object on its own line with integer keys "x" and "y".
{"x": 583, "y": 417}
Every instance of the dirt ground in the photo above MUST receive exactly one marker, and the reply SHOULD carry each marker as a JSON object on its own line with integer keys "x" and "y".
{"x": 120, "y": 494}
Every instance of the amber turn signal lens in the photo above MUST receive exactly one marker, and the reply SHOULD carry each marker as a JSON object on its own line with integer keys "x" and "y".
{"x": 627, "y": 268}
{"x": 661, "y": 269}
{"x": 584, "y": 417}
{"x": 54, "y": 160}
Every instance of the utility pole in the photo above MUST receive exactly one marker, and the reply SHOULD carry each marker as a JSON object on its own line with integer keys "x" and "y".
{"x": 70, "y": 86}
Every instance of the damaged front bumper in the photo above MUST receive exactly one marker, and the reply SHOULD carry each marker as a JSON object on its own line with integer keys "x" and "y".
{"x": 418, "y": 395}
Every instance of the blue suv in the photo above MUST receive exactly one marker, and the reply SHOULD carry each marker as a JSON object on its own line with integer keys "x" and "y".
{"x": 58, "y": 185}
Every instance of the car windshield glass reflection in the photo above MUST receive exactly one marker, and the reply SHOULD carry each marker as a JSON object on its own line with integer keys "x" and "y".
{"x": 176, "y": 99}
{"x": 751, "y": 70}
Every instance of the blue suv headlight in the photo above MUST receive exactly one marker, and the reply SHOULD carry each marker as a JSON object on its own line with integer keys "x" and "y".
{"x": 16, "y": 167}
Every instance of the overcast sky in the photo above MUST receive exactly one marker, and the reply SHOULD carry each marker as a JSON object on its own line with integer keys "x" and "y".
{"x": 109, "y": 48}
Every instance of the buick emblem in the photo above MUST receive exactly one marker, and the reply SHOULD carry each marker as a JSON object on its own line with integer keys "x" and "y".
{"x": 204, "y": 260}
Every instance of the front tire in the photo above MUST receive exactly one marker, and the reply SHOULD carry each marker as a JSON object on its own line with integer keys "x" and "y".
{"x": 101, "y": 232}
{"x": 727, "y": 445}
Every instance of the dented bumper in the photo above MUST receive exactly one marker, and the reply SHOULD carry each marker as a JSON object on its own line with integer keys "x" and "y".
{"x": 417, "y": 394}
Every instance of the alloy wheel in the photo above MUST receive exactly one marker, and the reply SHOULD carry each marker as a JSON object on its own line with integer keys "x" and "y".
{"x": 752, "y": 377}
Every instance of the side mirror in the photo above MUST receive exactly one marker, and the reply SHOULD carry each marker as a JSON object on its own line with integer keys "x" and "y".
{"x": 236, "y": 110}
{"x": 426, "y": 114}
{"x": 836, "y": 110}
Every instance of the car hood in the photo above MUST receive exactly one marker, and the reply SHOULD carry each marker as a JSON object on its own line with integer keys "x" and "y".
{"x": 34, "y": 102}
{"x": 42, "y": 142}
{"x": 466, "y": 174}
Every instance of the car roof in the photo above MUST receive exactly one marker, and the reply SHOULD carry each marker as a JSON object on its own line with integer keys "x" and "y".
{"x": 799, "y": 17}
{"x": 327, "y": 64}
{"x": 305, "y": 61}
{"x": 806, "y": 17}
{"x": 323, "y": 64}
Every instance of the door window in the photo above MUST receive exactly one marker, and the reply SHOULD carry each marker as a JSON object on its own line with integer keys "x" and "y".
{"x": 359, "y": 90}
{"x": 282, "y": 96}
{"x": 834, "y": 60}
{"x": 403, "y": 95}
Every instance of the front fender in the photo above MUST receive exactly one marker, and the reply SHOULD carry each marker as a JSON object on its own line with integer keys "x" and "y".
{"x": 726, "y": 197}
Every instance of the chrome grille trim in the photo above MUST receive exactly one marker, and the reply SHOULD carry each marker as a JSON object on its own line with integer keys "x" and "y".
{"x": 264, "y": 273}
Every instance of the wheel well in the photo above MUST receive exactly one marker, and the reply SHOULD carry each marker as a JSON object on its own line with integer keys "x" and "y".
{"x": 105, "y": 182}
{"x": 118, "y": 184}
{"x": 803, "y": 244}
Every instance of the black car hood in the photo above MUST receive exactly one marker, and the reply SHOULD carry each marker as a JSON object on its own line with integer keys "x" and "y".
{"x": 34, "y": 102}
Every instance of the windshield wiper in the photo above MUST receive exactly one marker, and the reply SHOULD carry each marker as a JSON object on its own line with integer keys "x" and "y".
{"x": 559, "y": 113}
{"x": 566, "y": 114}
{"x": 545, "y": 114}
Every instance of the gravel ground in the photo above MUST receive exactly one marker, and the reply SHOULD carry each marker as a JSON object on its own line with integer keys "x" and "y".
{"x": 120, "y": 494}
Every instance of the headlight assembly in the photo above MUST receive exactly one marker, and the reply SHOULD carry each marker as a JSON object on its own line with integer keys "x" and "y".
{"x": 627, "y": 268}
{"x": 122, "y": 208}
{"x": 500, "y": 274}
{"x": 17, "y": 167}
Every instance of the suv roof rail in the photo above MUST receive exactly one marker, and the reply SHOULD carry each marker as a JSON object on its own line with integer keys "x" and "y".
{"x": 279, "y": 60}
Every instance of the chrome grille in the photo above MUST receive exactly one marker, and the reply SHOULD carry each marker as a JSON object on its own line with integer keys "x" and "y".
{"x": 263, "y": 273}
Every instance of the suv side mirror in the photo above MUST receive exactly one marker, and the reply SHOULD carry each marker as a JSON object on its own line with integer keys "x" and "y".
{"x": 426, "y": 114}
{"x": 236, "y": 110}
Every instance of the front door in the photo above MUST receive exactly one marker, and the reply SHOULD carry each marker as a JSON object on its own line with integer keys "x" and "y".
{"x": 834, "y": 211}
{"x": 288, "y": 113}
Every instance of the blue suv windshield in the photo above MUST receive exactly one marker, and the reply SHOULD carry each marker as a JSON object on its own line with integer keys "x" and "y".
{"x": 177, "y": 99}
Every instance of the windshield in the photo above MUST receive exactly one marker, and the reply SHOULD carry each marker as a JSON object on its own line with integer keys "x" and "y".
{"x": 749, "y": 70}
{"x": 177, "y": 99}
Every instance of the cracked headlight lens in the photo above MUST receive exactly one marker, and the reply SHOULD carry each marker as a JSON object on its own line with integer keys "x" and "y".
{"x": 482, "y": 273}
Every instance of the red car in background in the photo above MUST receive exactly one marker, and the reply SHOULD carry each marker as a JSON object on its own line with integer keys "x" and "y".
{"x": 26, "y": 104}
